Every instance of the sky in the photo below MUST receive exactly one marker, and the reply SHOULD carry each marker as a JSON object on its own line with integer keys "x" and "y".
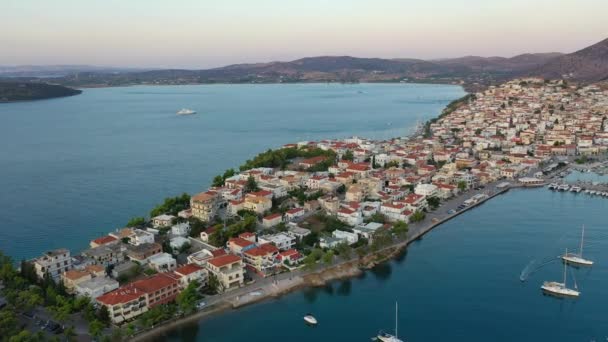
{"x": 212, "y": 33}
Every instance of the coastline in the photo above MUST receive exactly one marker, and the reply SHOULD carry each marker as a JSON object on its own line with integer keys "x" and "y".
{"x": 320, "y": 277}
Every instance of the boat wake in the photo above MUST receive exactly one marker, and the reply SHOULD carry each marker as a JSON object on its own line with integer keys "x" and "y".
{"x": 532, "y": 268}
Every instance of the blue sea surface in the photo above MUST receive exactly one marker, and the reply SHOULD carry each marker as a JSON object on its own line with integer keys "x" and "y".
{"x": 461, "y": 282}
{"x": 75, "y": 168}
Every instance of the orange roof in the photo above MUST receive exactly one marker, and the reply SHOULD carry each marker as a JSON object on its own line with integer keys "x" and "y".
{"x": 204, "y": 196}
{"x": 94, "y": 268}
{"x": 240, "y": 242}
{"x": 224, "y": 260}
{"x": 154, "y": 283}
{"x": 262, "y": 250}
{"x": 104, "y": 239}
{"x": 272, "y": 216}
{"x": 74, "y": 274}
{"x": 188, "y": 269}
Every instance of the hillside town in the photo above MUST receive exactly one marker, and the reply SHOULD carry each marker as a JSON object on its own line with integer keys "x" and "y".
{"x": 308, "y": 203}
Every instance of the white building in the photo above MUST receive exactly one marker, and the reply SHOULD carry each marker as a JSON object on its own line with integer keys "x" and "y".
{"x": 140, "y": 237}
{"x": 427, "y": 190}
{"x": 349, "y": 216}
{"x": 162, "y": 262}
{"x": 96, "y": 287}
{"x": 178, "y": 241}
{"x": 283, "y": 241}
{"x": 180, "y": 229}
{"x": 53, "y": 262}
{"x": 348, "y": 237}
{"x": 163, "y": 220}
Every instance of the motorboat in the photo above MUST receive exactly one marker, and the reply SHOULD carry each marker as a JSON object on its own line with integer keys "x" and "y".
{"x": 310, "y": 319}
{"x": 186, "y": 111}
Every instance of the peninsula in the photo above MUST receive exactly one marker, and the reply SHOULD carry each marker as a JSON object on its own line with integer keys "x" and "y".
{"x": 11, "y": 91}
{"x": 308, "y": 212}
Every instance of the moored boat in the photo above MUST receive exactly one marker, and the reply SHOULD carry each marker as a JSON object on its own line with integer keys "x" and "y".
{"x": 310, "y": 319}
{"x": 577, "y": 258}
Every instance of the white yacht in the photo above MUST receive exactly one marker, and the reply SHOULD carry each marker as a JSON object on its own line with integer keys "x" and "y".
{"x": 186, "y": 111}
{"x": 559, "y": 289}
{"x": 577, "y": 258}
{"x": 386, "y": 337}
{"x": 310, "y": 319}
{"x": 563, "y": 187}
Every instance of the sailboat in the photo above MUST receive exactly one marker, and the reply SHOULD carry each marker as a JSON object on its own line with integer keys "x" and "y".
{"x": 560, "y": 289}
{"x": 577, "y": 259}
{"x": 386, "y": 337}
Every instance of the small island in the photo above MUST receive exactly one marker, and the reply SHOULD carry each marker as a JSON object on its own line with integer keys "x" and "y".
{"x": 27, "y": 91}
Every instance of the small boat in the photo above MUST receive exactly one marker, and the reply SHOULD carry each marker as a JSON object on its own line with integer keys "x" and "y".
{"x": 310, "y": 319}
{"x": 563, "y": 187}
{"x": 386, "y": 337}
{"x": 559, "y": 289}
{"x": 577, "y": 258}
{"x": 186, "y": 111}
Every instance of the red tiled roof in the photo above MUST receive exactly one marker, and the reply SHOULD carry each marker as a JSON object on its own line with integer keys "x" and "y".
{"x": 104, "y": 239}
{"x": 240, "y": 242}
{"x": 294, "y": 210}
{"x": 262, "y": 250}
{"x": 224, "y": 260}
{"x": 272, "y": 216}
{"x": 136, "y": 289}
{"x": 188, "y": 269}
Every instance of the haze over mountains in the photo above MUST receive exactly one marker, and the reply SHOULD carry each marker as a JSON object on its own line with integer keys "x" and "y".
{"x": 588, "y": 64}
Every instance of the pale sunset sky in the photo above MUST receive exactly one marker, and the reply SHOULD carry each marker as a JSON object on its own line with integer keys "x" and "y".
{"x": 211, "y": 33}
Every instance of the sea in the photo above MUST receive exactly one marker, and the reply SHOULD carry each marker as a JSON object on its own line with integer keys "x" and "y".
{"x": 75, "y": 168}
{"x": 72, "y": 169}
{"x": 474, "y": 278}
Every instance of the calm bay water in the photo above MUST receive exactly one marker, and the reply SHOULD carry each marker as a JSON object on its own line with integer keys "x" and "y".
{"x": 460, "y": 283}
{"x": 74, "y": 168}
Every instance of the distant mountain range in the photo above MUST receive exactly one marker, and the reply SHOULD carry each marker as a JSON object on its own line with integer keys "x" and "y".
{"x": 588, "y": 64}
{"x": 44, "y": 71}
{"x": 473, "y": 72}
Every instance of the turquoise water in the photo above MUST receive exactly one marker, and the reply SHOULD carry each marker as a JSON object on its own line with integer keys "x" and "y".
{"x": 586, "y": 177}
{"x": 461, "y": 282}
{"x": 74, "y": 168}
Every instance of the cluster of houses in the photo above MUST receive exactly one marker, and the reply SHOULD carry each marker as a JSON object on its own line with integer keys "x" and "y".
{"x": 500, "y": 133}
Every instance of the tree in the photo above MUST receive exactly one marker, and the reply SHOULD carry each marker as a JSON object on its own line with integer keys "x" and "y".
{"x": 251, "y": 185}
{"x": 136, "y": 222}
{"x": 172, "y": 205}
{"x": 433, "y": 202}
{"x": 213, "y": 284}
{"x": 392, "y": 163}
{"x": 104, "y": 315}
{"x": 96, "y": 328}
{"x": 418, "y": 216}
{"x": 348, "y": 155}
{"x": 344, "y": 250}
{"x": 378, "y": 218}
{"x": 462, "y": 185}
{"x": 70, "y": 333}
{"x": 188, "y": 298}
{"x": 328, "y": 257}
{"x": 8, "y": 323}
{"x": 400, "y": 229}
{"x": 217, "y": 181}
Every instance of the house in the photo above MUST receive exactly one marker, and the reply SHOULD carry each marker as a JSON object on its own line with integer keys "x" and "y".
{"x": 415, "y": 202}
{"x": 162, "y": 262}
{"x": 283, "y": 241}
{"x": 134, "y": 299}
{"x": 427, "y": 190}
{"x": 228, "y": 269}
{"x": 368, "y": 230}
{"x": 163, "y": 220}
{"x": 310, "y": 162}
{"x": 347, "y": 237}
{"x": 53, "y": 262}
{"x": 204, "y": 205}
{"x": 290, "y": 256}
{"x": 298, "y": 232}
{"x": 124, "y": 269}
{"x": 258, "y": 204}
{"x": 139, "y": 237}
{"x": 350, "y": 216}
{"x": 142, "y": 252}
{"x": 191, "y": 272}
{"x": 95, "y": 287}
{"x": 261, "y": 259}
{"x": 178, "y": 242}
{"x": 272, "y": 220}
{"x": 71, "y": 278}
{"x": 104, "y": 240}
{"x": 293, "y": 214}
{"x": 106, "y": 254}
{"x": 355, "y": 193}
{"x": 200, "y": 258}
{"x": 237, "y": 245}
{"x": 180, "y": 229}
